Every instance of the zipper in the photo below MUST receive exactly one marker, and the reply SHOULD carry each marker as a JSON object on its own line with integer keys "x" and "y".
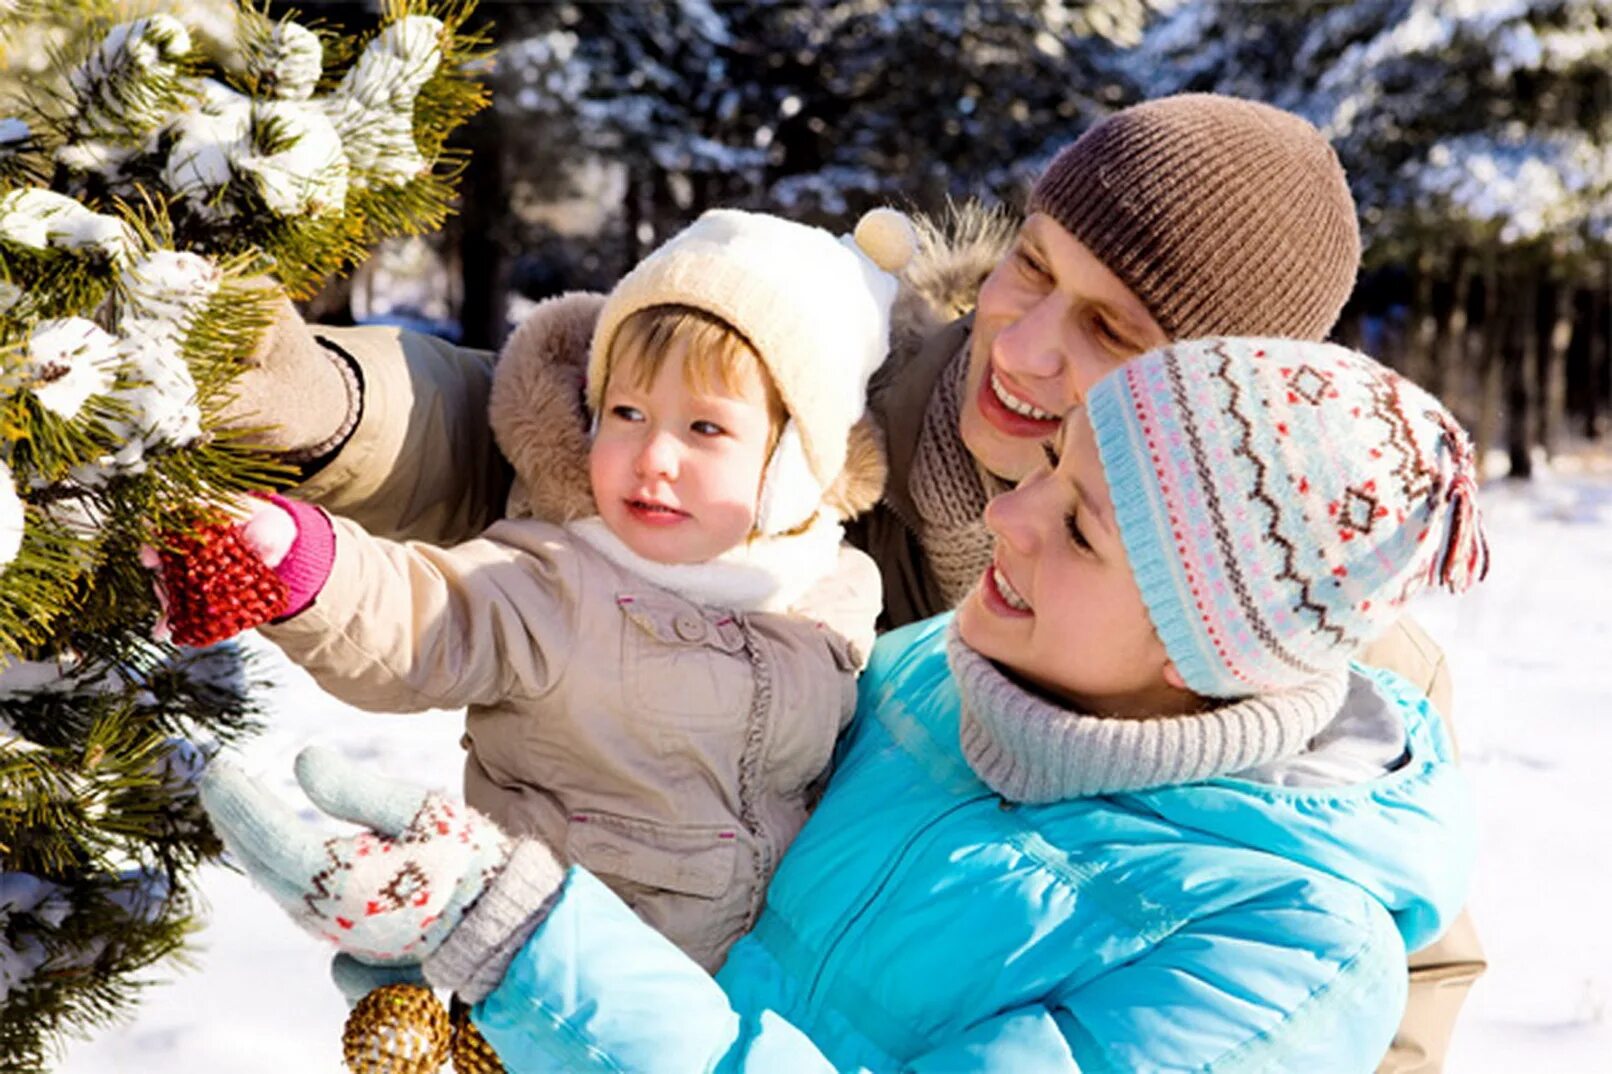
{"x": 812, "y": 993}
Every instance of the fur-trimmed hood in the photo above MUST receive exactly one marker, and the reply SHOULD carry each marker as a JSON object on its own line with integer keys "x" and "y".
{"x": 956, "y": 251}
{"x": 537, "y": 412}
{"x": 540, "y": 422}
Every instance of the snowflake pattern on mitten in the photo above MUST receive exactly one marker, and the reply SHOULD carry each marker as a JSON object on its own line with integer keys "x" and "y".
{"x": 400, "y": 888}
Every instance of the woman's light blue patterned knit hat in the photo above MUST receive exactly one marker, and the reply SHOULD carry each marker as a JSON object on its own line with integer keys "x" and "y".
{"x": 1280, "y": 501}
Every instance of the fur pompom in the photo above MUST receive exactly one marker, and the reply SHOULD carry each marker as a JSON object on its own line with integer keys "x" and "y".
{"x": 887, "y": 237}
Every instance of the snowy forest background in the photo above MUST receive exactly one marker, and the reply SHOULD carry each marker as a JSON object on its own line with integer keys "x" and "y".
{"x": 1477, "y": 135}
{"x": 1478, "y": 138}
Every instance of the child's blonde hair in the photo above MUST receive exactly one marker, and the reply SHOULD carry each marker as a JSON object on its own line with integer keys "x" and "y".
{"x": 715, "y": 355}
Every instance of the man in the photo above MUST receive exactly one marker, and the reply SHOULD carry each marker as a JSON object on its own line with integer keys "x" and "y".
{"x": 1189, "y": 216}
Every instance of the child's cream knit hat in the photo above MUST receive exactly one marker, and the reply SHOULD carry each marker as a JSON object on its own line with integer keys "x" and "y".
{"x": 815, "y": 308}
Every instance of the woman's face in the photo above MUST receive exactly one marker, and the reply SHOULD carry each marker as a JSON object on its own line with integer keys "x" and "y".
{"x": 1059, "y": 607}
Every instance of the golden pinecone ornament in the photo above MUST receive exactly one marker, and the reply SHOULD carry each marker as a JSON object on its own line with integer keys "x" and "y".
{"x": 396, "y": 1029}
{"x": 471, "y": 1052}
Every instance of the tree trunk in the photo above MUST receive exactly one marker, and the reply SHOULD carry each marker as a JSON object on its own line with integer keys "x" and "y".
{"x": 1348, "y": 331}
{"x": 1418, "y": 364}
{"x": 1522, "y": 380}
{"x": 1558, "y": 335}
{"x": 1600, "y": 356}
{"x": 482, "y": 221}
{"x": 1451, "y": 380}
{"x": 1490, "y": 359}
{"x": 333, "y": 304}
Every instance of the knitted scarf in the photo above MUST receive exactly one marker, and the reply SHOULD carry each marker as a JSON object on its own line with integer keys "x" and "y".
{"x": 950, "y": 489}
{"x": 1030, "y": 750}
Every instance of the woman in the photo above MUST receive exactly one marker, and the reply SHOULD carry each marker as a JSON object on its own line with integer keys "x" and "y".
{"x": 1130, "y": 808}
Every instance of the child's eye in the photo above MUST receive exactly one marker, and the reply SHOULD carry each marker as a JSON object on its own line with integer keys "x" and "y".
{"x": 707, "y": 428}
{"x": 1050, "y": 452}
{"x": 626, "y": 413}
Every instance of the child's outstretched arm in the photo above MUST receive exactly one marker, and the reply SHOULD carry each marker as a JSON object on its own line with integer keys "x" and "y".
{"x": 389, "y": 626}
{"x": 407, "y": 626}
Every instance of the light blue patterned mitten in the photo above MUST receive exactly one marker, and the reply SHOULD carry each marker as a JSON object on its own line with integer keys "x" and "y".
{"x": 389, "y": 894}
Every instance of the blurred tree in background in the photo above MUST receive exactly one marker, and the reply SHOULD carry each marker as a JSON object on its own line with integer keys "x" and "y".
{"x": 1477, "y": 135}
{"x": 1478, "y": 138}
{"x": 816, "y": 110}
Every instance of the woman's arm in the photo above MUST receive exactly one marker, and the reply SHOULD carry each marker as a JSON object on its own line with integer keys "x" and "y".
{"x": 1270, "y": 984}
{"x": 591, "y": 987}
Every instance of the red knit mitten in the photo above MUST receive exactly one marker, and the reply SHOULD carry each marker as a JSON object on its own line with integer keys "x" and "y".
{"x": 216, "y": 586}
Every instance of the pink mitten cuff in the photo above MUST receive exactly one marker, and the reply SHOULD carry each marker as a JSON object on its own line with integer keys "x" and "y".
{"x": 307, "y": 563}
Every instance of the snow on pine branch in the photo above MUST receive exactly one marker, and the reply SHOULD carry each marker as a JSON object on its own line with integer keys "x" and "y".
{"x": 373, "y": 107}
{"x": 1529, "y": 188}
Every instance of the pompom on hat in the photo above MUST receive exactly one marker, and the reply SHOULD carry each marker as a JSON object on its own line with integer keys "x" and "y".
{"x": 1280, "y": 501}
{"x": 815, "y": 308}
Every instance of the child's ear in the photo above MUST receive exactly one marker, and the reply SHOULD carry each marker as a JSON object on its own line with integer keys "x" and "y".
{"x": 1173, "y": 677}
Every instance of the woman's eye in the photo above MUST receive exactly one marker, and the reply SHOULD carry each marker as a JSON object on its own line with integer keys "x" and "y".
{"x": 1074, "y": 532}
{"x": 707, "y": 428}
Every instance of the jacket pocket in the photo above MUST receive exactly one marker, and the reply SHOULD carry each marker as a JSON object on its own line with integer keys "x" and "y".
{"x": 679, "y": 660}
{"x": 687, "y": 860}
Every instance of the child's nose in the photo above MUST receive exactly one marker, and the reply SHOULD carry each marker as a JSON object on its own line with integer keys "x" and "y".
{"x": 658, "y": 457}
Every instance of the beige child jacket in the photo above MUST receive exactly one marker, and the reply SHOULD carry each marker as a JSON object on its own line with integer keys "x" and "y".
{"x": 672, "y": 747}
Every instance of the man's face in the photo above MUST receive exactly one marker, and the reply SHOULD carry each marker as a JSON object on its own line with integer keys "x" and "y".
{"x": 1051, "y": 320}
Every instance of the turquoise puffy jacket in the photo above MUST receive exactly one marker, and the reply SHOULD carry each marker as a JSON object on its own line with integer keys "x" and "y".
{"x": 920, "y": 922}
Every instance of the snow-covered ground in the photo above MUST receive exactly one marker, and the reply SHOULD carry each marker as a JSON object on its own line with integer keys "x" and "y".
{"x": 1532, "y": 651}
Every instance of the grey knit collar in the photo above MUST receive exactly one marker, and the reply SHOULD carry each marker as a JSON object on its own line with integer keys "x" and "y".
{"x": 1030, "y": 750}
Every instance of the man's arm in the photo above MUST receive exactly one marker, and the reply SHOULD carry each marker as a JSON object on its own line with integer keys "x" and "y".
{"x": 389, "y": 427}
{"x": 1442, "y": 973}
{"x": 420, "y": 463}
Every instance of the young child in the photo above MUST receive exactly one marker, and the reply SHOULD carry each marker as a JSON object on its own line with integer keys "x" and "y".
{"x": 655, "y": 688}
{"x": 1131, "y": 808}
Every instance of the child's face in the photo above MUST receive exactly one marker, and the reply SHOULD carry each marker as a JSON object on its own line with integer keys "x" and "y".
{"x": 676, "y": 472}
{"x": 1059, "y": 606}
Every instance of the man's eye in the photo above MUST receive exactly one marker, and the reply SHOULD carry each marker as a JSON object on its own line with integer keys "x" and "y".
{"x": 1033, "y": 267}
{"x": 707, "y": 428}
{"x": 1109, "y": 337}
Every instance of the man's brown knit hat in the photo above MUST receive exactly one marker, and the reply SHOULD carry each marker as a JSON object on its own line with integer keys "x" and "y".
{"x": 1226, "y": 217}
